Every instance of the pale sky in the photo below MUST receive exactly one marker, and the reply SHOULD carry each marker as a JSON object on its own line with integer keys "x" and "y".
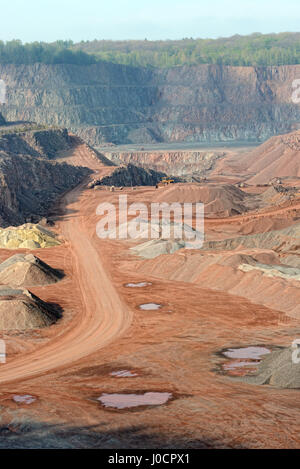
{"x": 49, "y": 20}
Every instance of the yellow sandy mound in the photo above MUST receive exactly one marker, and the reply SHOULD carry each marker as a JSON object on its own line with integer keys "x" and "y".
{"x": 28, "y": 236}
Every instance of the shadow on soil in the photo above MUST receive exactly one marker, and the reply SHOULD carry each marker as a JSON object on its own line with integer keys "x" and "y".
{"x": 39, "y": 435}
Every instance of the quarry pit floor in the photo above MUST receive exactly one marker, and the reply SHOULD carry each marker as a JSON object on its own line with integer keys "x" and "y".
{"x": 173, "y": 350}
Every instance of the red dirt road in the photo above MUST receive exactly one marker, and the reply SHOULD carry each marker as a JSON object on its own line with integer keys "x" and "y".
{"x": 103, "y": 317}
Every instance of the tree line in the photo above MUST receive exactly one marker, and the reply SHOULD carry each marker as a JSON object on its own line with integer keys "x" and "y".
{"x": 256, "y": 50}
{"x": 14, "y": 52}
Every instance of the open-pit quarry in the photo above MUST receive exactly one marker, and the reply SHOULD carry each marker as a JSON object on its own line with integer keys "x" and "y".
{"x": 138, "y": 343}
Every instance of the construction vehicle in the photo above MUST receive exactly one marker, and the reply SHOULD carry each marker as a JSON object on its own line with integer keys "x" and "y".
{"x": 165, "y": 181}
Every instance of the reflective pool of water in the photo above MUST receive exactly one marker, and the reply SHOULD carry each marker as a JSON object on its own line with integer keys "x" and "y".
{"x": 150, "y": 306}
{"x": 243, "y": 360}
{"x": 123, "y": 374}
{"x": 246, "y": 352}
{"x": 24, "y": 399}
{"x": 126, "y": 401}
{"x": 138, "y": 285}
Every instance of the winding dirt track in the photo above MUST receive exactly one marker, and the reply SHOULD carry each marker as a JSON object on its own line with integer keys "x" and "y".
{"x": 103, "y": 317}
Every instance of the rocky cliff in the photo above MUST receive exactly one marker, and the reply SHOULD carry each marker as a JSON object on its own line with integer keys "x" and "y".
{"x": 40, "y": 143}
{"x": 29, "y": 180}
{"x": 115, "y": 103}
{"x": 172, "y": 162}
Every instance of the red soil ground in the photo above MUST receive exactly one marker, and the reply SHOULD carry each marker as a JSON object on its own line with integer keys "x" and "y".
{"x": 174, "y": 349}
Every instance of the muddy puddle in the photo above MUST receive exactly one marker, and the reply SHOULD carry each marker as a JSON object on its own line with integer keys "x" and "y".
{"x": 138, "y": 285}
{"x": 129, "y": 401}
{"x": 150, "y": 306}
{"x": 244, "y": 360}
{"x": 123, "y": 374}
{"x": 24, "y": 399}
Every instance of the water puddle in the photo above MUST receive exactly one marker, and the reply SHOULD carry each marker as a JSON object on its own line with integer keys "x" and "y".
{"x": 150, "y": 306}
{"x": 243, "y": 360}
{"x": 25, "y": 399}
{"x": 236, "y": 364}
{"x": 138, "y": 285}
{"x": 127, "y": 401}
{"x": 123, "y": 374}
{"x": 246, "y": 352}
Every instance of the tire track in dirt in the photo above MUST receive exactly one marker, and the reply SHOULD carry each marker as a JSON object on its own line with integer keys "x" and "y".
{"x": 103, "y": 317}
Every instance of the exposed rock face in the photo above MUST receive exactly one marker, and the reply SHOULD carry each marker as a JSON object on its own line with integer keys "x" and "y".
{"x": 29, "y": 182}
{"x": 115, "y": 103}
{"x": 41, "y": 143}
{"x": 176, "y": 163}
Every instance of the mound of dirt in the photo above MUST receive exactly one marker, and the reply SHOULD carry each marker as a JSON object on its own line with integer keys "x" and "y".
{"x": 282, "y": 271}
{"x": 20, "y": 310}
{"x": 139, "y": 228}
{"x": 156, "y": 247}
{"x": 277, "y": 157}
{"x": 253, "y": 274}
{"x": 276, "y": 195}
{"x": 27, "y": 270}
{"x": 223, "y": 199}
{"x": 131, "y": 175}
{"x": 285, "y": 240}
{"x": 28, "y": 236}
{"x": 278, "y": 369}
{"x": 264, "y": 224}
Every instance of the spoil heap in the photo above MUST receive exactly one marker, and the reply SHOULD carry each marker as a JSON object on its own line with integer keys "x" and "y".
{"x": 21, "y": 310}
{"x": 27, "y": 270}
{"x": 27, "y": 236}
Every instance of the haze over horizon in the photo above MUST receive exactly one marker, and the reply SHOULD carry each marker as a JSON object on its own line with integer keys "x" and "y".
{"x": 160, "y": 19}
